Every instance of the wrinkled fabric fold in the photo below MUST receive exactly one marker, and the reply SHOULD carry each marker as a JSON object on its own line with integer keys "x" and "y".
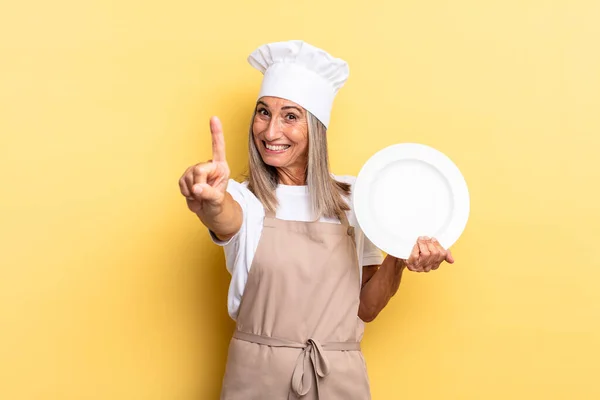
{"x": 311, "y": 360}
{"x": 298, "y": 333}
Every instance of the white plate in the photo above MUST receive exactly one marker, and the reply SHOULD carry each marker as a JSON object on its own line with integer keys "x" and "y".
{"x": 409, "y": 190}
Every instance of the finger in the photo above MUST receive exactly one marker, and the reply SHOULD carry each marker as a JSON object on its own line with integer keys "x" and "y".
{"x": 186, "y": 182}
{"x": 414, "y": 267}
{"x": 445, "y": 255}
{"x": 183, "y": 187}
{"x": 414, "y": 255}
{"x": 429, "y": 261}
{"x": 207, "y": 193}
{"x": 418, "y": 267}
{"x": 430, "y": 256}
{"x": 189, "y": 181}
{"x": 413, "y": 259}
{"x": 423, "y": 249}
{"x": 434, "y": 251}
{"x": 449, "y": 257}
{"x": 436, "y": 255}
{"x": 218, "y": 140}
{"x": 423, "y": 253}
{"x": 201, "y": 172}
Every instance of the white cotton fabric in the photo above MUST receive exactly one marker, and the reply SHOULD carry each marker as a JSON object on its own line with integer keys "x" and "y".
{"x": 299, "y": 72}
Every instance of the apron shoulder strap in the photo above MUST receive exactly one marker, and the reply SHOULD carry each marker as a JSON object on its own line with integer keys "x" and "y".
{"x": 349, "y": 228}
{"x": 344, "y": 219}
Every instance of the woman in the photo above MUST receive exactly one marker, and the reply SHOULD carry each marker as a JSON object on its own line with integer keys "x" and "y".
{"x": 304, "y": 277}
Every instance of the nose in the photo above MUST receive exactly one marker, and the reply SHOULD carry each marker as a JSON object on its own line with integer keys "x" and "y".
{"x": 273, "y": 131}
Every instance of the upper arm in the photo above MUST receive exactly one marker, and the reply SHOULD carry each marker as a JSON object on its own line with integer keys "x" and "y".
{"x": 371, "y": 260}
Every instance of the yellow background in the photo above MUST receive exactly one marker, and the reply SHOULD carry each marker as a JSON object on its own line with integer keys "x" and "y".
{"x": 109, "y": 287}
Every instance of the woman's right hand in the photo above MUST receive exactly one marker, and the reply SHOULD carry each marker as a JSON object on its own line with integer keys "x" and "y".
{"x": 204, "y": 185}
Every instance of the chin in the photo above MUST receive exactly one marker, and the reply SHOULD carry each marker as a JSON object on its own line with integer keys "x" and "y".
{"x": 273, "y": 161}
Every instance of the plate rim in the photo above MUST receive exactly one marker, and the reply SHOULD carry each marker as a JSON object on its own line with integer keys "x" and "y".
{"x": 444, "y": 165}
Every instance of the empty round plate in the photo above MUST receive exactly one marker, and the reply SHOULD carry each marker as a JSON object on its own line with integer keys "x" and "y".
{"x": 409, "y": 190}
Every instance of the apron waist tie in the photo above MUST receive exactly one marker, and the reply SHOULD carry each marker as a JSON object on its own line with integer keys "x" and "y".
{"x": 311, "y": 355}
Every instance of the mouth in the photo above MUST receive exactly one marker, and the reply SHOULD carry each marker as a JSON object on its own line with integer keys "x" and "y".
{"x": 279, "y": 148}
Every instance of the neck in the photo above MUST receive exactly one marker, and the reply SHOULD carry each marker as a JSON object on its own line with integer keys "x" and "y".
{"x": 292, "y": 176}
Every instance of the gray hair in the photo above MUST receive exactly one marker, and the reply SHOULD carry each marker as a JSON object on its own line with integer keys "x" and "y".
{"x": 326, "y": 193}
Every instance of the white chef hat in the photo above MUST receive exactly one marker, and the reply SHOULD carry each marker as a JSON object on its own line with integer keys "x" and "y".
{"x": 299, "y": 72}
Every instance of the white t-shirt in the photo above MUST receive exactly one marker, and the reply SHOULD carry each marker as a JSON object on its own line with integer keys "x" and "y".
{"x": 294, "y": 205}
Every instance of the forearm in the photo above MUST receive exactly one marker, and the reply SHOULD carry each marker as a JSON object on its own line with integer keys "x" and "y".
{"x": 378, "y": 291}
{"x": 225, "y": 220}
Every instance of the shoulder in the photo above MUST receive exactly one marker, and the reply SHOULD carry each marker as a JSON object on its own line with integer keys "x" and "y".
{"x": 241, "y": 187}
{"x": 349, "y": 179}
{"x": 240, "y": 192}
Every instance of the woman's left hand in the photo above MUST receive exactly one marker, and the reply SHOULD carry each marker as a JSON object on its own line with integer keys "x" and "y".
{"x": 427, "y": 255}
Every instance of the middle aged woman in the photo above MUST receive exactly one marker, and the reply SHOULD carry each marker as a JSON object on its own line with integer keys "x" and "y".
{"x": 304, "y": 276}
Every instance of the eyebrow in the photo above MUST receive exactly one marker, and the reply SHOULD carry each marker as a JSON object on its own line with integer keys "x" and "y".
{"x": 294, "y": 107}
{"x": 262, "y": 102}
{"x": 283, "y": 108}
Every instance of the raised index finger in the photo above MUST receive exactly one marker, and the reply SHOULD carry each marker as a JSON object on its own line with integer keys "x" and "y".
{"x": 218, "y": 140}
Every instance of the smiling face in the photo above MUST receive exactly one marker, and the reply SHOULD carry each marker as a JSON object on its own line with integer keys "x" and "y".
{"x": 280, "y": 131}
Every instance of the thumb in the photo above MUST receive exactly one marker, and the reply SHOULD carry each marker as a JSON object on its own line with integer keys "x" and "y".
{"x": 449, "y": 257}
{"x": 205, "y": 192}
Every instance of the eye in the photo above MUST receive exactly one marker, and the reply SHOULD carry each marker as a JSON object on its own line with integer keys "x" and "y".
{"x": 291, "y": 116}
{"x": 262, "y": 111}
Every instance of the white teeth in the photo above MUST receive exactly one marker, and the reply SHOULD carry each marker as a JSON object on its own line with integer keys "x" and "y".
{"x": 276, "y": 148}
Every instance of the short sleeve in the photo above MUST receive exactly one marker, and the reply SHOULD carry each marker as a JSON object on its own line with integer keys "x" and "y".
{"x": 371, "y": 254}
{"x": 234, "y": 246}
